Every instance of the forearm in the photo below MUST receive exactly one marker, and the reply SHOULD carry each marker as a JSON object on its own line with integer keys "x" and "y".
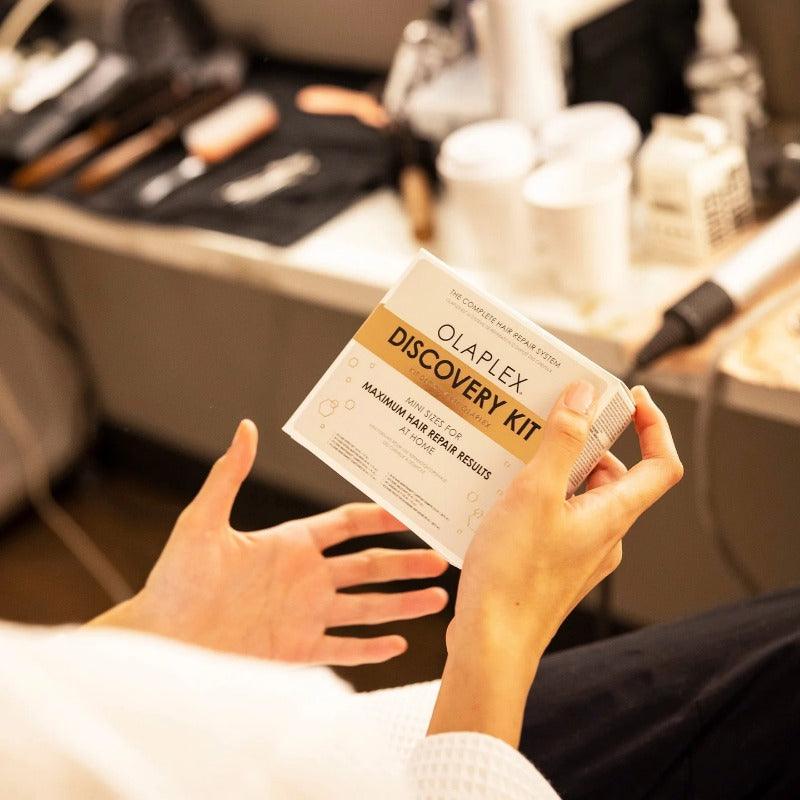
{"x": 484, "y": 688}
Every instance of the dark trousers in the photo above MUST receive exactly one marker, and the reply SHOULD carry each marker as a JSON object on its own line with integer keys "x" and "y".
{"x": 704, "y": 708}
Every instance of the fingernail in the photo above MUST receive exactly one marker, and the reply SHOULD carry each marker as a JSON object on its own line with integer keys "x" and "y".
{"x": 580, "y": 397}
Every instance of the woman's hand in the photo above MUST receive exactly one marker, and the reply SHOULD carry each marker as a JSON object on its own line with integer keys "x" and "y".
{"x": 272, "y": 593}
{"x": 536, "y": 555}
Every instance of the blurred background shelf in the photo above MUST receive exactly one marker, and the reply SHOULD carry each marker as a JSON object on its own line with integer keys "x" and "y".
{"x": 184, "y": 331}
{"x": 257, "y": 326}
{"x": 348, "y": 264}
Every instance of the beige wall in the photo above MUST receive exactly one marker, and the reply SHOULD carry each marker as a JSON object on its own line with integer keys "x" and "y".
{"x": 772, "y": 28}
{"x": 357, "y": 33}
{"x": 40, "y": 373}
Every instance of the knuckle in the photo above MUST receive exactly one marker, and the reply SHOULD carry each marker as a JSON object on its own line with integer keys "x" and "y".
{"x": 349, "y": 513}
{"x": 524, "y": 494}
{"x": 571, "y": 427}
{"x": 671, "y": 471}
{"x": 613, "y": 559}
{"x": 363, "y": 563}
{"x": 677, "y": 470}
{"x": 379, "y": 560}
{"x": 620, "y": 512}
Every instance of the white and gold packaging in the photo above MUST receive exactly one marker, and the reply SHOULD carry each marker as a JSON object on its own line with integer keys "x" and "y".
{"x": 440, "y": 399}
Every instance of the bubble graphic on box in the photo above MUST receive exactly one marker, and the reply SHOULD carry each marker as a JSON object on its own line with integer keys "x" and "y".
{"x": 327, "y": 407}
{"x": 350, "y": 405}
{"x": 353, "y": 362}
{"x": 474, "y": 516}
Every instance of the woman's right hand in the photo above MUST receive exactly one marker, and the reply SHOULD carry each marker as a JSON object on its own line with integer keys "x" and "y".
{"x": 537, "y": 554}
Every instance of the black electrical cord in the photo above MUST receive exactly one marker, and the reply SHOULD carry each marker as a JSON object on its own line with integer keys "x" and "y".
{"x": 707, "y": 511}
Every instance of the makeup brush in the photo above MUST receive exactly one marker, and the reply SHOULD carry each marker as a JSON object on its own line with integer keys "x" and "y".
{"x": 145, "y": 100}
{"x": 135, "y": 148}
{"x": 46, "y": 126}
{"x": 339, "y": 101}
{"x": 213, "y": 139}
{"x": 145, "y": 103}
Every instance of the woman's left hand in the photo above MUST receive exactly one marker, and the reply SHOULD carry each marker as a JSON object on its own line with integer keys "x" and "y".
{"x": 273, "y": 593}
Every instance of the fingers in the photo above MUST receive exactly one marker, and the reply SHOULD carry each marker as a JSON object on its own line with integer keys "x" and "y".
{"x": 563, "y": 438}
{"x": 379, "y": 565}
{"x": 346, "y": 651}
{"x": 374, "y": 609}
{"x": 652, "y": 428}
{"x": 215, "y": 499}
{"x": 660, "y": 468}
{"x": 350, "y": 521}
{"x": 609, "y": 468}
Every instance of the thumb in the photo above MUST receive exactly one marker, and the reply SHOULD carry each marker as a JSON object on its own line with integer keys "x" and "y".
{"x": 564, "y": 436}
{"x": 216, "y": 497}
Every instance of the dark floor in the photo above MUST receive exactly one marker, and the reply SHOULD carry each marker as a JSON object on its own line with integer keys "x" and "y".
{"x": 127, "y": 495}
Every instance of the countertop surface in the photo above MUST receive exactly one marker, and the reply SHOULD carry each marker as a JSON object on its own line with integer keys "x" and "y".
{"x": 351, "y": 261}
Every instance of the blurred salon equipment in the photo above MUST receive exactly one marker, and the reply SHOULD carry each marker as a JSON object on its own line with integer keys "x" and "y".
{"x": 724, "y": 77}
{"x": 482, "y": 168}
{"x": 253, "y": 272}
{"x": 694, "y": 184}
{"x": 579, "y": 214}
{"x": 213, "y": 139}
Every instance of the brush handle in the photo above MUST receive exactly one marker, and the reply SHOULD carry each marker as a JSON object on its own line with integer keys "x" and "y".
{"x": 127, "y": 153}
{"x": 133, "y": 149}
{"x": 417, "y": 194}
{"x": 64, "y": 157}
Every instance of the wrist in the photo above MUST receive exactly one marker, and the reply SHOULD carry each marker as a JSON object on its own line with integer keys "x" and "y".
{"x": 485, "y": 685}
{"x": 504, "y": 637}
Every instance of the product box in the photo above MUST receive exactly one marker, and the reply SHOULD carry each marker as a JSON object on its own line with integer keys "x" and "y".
{"x": 439, "y": 400}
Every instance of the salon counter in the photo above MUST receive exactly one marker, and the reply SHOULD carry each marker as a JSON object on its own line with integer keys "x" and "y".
{"x": 347, "y": 265}
{"x": 255, "y": 327}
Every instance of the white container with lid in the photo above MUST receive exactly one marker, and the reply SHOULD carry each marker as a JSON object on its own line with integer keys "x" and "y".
{"x": 591, "y": 132}
{"x": 579, "y": 215}
{"x": 483, "y": 167}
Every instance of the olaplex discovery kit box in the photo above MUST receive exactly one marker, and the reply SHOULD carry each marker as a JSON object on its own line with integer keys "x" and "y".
{"x": 439, "y": 400}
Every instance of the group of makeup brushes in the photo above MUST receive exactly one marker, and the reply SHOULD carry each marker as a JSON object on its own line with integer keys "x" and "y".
{"x": 202, "y": 104}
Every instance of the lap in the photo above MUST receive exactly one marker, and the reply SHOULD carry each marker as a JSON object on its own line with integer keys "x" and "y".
{"x": 707, "y": 707}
